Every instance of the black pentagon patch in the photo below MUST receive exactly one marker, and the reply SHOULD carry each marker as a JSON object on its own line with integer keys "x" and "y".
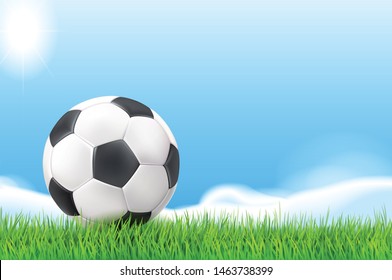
{"x": 138, "y": 218}
{"x": 133, "y": 108}
{"x": 64, "y": 127}
{"x": 172, "y": 166}
{"x": 63, "y": 198}
{"x": 114, "y": 163}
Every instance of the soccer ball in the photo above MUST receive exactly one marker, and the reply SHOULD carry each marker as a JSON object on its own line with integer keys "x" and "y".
{"x": 111, "y": 158}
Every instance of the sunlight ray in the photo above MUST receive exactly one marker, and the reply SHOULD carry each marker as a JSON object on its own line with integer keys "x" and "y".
{"x": 44, "y": 62}
{"x": 4, "y": 57}
{"x": 23, "y": 74}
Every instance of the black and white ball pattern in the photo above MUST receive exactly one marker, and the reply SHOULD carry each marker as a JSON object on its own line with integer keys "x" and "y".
{"x": 111, "y": 158}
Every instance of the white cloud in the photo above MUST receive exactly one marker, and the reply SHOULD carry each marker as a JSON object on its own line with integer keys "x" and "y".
{"x": 360, "y": 197}
{"x": 16, "y": 200}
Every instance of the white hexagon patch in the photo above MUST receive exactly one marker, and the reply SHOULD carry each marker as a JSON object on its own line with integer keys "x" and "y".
{"x": 148, "y": 141}
{"x": 146, "y": 189}
{"x": 166, "y": 128}
{"x": 101, "y": 124}
{"x": 72, "y": 162}
{"x": 163, "y": 203}
{"x": 96, "y": 201}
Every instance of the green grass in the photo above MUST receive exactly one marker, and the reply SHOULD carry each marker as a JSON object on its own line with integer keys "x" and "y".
{"x": 275, "y": 237}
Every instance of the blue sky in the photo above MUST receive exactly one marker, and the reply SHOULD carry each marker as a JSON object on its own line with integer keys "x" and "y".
{"x": 275, "y": 95}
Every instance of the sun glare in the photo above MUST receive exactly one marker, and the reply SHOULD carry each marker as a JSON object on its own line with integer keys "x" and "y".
{"x": 24, "y": 36}
{"x": 23, "y": 32}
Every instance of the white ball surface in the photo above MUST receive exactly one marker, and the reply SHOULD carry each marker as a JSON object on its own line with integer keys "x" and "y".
{"x": 47, "y": 165}
{"x": 147, "y": 188}
{"x": 71, "y": 162}
{"x": 148, "y": 140}
{"x": 97, "y": 200}
{"x": 108, "y": 120}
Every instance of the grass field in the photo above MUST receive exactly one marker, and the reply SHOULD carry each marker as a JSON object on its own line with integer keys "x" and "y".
{"x": 275, "y": 237}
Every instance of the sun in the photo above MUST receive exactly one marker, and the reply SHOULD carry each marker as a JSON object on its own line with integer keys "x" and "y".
{"x": 23, "y": 32}
{"x": 24, "y": 36}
